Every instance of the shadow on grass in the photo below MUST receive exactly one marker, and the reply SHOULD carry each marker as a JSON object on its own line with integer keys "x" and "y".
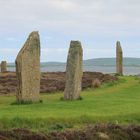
{"x": 26, "y": 102}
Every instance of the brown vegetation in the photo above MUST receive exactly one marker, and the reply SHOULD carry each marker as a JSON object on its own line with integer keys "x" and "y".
{"x": 51, "y": 81}
{"x": 98, "y": 132}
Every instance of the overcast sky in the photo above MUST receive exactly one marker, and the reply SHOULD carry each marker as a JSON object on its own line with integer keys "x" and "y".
{"x": 98, "y": 24}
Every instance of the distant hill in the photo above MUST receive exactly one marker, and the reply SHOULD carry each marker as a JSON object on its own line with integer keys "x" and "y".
{"x": 95, "y": 62}
{"x": 112, "y": 62}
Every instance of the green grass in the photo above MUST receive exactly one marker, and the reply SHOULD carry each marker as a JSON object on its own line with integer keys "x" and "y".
{"x": 116, "y": 103}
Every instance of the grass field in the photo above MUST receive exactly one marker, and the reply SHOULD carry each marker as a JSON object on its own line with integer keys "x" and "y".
{"x": 114, "y": 102}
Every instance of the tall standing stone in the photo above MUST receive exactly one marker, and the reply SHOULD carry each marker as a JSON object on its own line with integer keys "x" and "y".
{"x": 3, "y": 66}
{"x": 119, "y": 58}
{"x": 74, "y": 71}
{"x": 28, "y": 70}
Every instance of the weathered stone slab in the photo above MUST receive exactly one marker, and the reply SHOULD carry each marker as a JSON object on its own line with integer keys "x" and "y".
{"x": 3, "y": 66}
{"x": 119, "y": 58}
{"x": 74, "y": 71}
{"x": 28, "y": 70}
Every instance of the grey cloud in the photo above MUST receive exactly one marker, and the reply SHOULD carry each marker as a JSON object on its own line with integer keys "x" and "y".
{"x": 89, "y": 14}
{"x": 74, "y": 18}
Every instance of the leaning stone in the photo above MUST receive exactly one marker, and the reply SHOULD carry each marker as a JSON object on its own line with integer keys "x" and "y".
{"x": 74, "y": 71}
{"x": 3, "y": 66}
{"x": 28, "y": 70}
{"x": 119, "y": 59}
{"x": 96, "y": 83}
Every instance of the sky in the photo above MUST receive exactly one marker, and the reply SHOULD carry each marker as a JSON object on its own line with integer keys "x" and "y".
{"x": 98, "y": 24}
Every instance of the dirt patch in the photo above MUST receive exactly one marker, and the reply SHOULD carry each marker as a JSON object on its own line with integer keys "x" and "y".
{"x": 98, "y": 132}
{"x": 51, "y": 81}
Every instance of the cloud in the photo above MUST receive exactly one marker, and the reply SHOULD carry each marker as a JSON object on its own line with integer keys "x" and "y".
{"x": 6, "y": 52}
{"x": 96, "y": 23}
{"x": 72, "y": 14}
{"x": 11, "y": 39}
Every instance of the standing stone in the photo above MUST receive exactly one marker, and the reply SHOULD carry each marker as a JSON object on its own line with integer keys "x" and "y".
{"x": 74, "y": 71}
{"x": 28, "y": 70}
{"x": 119, "y": 59}
{"x": 3, "y": 66}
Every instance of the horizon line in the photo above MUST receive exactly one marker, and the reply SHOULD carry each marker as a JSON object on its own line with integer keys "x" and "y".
{"x": 83, "y": 60}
